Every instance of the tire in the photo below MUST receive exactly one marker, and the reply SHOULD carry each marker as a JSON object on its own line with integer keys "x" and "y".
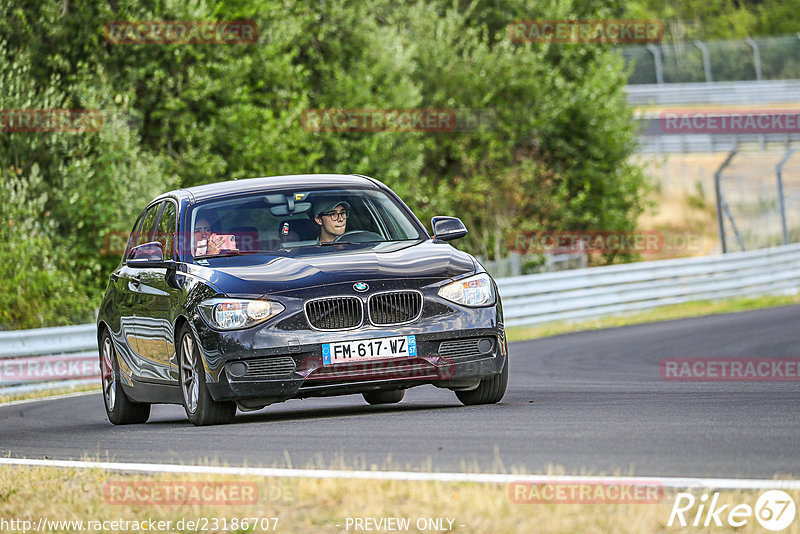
{"x": 201, "y": 408}
{"x": 384, "y": 397}
{"x": 489, "y": 391}
{"x": 119, "y": 408}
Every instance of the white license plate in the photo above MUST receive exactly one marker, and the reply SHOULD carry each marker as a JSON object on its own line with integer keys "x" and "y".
{"x": 369, "y": 349}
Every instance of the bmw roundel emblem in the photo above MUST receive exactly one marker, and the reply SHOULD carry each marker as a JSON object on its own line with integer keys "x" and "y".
{"x": 360, "y": 287}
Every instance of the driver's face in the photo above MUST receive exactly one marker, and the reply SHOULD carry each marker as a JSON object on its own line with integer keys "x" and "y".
{"x": 334, "y": 224}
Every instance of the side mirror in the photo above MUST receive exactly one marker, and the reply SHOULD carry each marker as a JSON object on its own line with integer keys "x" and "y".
{"x": 447, "y": 228}
{"x": 148, "y": 255}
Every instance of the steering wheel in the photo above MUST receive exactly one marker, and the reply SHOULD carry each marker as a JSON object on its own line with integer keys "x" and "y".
{"x": 359, "y": 236}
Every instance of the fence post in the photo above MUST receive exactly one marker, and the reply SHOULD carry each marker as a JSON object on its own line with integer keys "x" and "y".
{"x": 657, "y": 62}
{"x": 756, "y": 56}
{"x": 706, "y": 59}
{"x": 718, "y": 192}
{"x": 516, "y": 264}
{"x": 779, "y": 173}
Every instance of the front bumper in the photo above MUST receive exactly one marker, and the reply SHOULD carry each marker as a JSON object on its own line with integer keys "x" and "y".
{"x": 456, "y": 347}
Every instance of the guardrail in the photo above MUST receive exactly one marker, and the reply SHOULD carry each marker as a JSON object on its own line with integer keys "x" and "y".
{"x": 715, "y": 93}
{"x": 55, "y": 356}
{"x": 48, "y": 357}
{"x": 600, "y": 291}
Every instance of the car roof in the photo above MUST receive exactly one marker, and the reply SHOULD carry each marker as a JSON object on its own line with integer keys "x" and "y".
{"x": 232, "y": 187}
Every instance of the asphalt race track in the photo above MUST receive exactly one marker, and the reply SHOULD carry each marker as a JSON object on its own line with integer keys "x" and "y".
{"x": 591, "y": 402}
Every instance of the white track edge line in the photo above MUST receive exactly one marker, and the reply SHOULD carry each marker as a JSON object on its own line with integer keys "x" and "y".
{"x": 51, "y": 397}
{"x": 666, "y": 482}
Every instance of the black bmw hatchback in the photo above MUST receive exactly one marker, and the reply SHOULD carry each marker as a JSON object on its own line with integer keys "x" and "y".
{"x": 247, "y": 293}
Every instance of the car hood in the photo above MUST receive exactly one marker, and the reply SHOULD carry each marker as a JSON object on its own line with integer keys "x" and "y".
{"x": 258, "y": 275}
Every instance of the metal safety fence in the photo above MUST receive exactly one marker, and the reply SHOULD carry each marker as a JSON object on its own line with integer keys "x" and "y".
{"x": 760, "y": 58}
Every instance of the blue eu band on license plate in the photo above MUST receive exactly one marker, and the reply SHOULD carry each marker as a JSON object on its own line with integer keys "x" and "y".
{"x": 369, "y": 349}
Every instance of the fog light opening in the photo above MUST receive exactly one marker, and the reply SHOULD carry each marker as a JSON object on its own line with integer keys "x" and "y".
{"x": 237, "y": 369}
{"x": 485, "y": 346}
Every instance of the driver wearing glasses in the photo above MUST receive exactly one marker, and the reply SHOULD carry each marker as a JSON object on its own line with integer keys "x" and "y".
{"x": 331, "y": 216}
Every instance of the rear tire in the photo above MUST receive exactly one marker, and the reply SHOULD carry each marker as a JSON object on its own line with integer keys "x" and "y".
{"x": 384, "y": 397}
{"x": 119, "y": 408}
{"x": 201, "y": 408}
{"x": 489, "y": 391}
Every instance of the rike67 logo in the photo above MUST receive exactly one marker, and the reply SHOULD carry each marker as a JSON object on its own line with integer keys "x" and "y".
{"x": 774, "y": 510}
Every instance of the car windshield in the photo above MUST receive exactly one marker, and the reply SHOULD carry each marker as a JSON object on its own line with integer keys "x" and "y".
{"x": 281, "y": 220}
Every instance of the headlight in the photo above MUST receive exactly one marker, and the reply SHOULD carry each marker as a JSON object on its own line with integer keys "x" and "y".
{"x": 474, "y": 291}
{"x": 230, "y": 314}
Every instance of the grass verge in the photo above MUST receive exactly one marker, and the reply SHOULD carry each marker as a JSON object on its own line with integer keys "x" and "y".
{"x": 317, "y": 505}
{"x": 678, "y": 311}
{"x": 25, "y": 395}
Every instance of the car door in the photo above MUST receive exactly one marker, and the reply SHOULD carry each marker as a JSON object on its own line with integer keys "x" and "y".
{"x": 143, "y": 366}
{"x": 126, "y": 294}
{"x": 158, "y": 297}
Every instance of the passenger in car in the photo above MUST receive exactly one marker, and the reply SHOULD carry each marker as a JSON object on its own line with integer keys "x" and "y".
{"x": 331, "y": 216}
{"x": 203, "y": 243}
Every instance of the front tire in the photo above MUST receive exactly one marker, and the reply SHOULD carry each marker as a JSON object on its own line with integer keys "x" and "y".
{"x": 119, "y": 408}
{"x": 489, "y": 391}
{"x": 201, "y": 408}
{"x": 384, "y": 397}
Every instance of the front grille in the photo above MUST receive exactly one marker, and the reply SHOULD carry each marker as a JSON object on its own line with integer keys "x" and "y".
{"x": 395, "y": 307}
{"x": 280, "y": 367}
{"x": 336, "y": 313}
{"x": 466, "y": 348}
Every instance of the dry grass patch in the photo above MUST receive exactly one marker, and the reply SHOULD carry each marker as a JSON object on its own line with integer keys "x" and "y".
{"x": 665, "y": 313}
{"x": 324, "y": 505}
